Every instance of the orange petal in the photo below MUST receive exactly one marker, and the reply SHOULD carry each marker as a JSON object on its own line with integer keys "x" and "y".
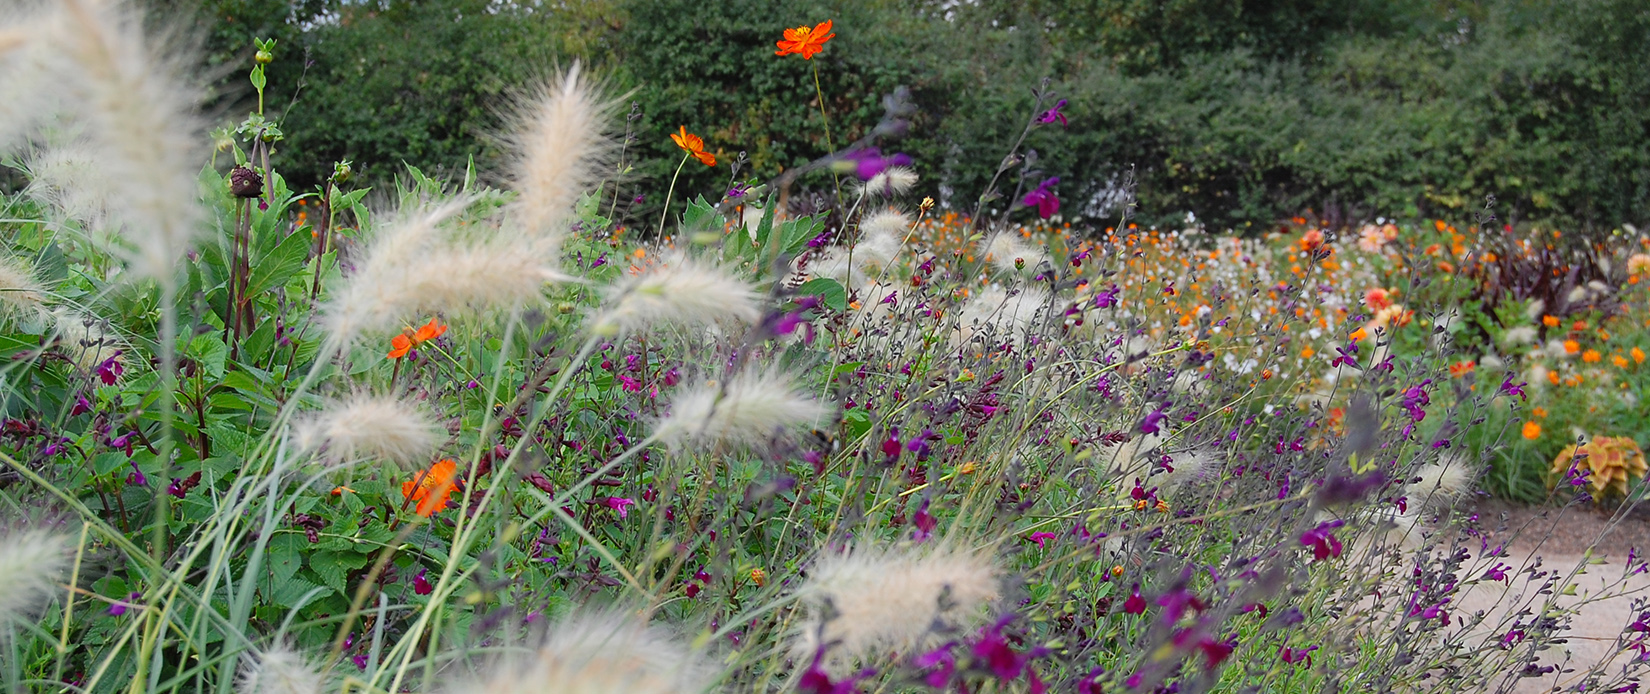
{"x": 705, "y": 158}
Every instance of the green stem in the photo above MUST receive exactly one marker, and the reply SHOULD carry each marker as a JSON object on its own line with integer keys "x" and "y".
{"x": 666, "y": 213}
{"x": 818, "y": 91}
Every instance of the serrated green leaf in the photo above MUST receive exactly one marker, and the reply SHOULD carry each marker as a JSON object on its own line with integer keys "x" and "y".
{"x": 333, "y": 567}
{"x": 285, "y": 554}
{"x": 701, "y": 216}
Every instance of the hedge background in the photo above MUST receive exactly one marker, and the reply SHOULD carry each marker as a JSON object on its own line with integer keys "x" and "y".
{"x": 1239, "y": 111}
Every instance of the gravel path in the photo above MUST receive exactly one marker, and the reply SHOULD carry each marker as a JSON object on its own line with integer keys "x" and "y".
{"x": 1560, "y": 538}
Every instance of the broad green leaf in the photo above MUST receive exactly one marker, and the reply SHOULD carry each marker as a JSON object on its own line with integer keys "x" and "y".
{"x": 829, "y": 291}
{"x": 333, "y": 567}
{"x": 275, "y": 269}
{"x": 208, "y": 350}
{"x": 285, "y": 554}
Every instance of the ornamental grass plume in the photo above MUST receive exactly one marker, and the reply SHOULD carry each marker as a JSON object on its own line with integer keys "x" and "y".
{"x": 20, "y": 293}
{"x": 140, "y": 117}
{"x": 1001, "y": 314}
{"x": 749, "y": 408}
{"x": 871, "y": 599}
{"x": 890, "y": 182}
{"x": 68, "y": 177}
{"x": 679, "y": 290}
{"x": 280, "y": 670}
{"x": 366, "y": 426}
{"x": 86, "y": 340}
{"x": 597, "y": 653}
{"x": 560, "y": 148}
{"x": 1009, "y": 254}
{"x": 31, "y": 560}
{"x": 374, "y": 297}
{"x": 1439, "y": 484}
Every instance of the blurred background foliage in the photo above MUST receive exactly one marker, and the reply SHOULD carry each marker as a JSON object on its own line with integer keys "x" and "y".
{"x": 1241, "y": 112}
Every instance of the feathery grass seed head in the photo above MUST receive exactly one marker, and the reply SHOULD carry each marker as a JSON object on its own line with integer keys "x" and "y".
{"x": 30, "y": 561}
{"x": 748, "y": 409}
{"x": 597, "y": 654}
{"x": 677, "y": 291}
{"x": 559, "y": 149}
{"x": 367, "y": 426}
{"x": 870, "y": 599}
{"x": 280, "y": 670}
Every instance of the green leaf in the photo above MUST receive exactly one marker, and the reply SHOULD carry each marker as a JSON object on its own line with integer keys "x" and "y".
{"x": 210, "y": 352}
{"x": 857, "y": 421}
{"x": 829, "y": 291}
{"x": 293, "y": 592}
{"x": 333, "y": 567}
{"x": 275, "y": 269}
{"x": 795, "y": 233}
{"x": 285, "y": 555}
{"x": 700, "y": 216}
{"x": 258, "y": 80}
{"x": 106, "y": 463}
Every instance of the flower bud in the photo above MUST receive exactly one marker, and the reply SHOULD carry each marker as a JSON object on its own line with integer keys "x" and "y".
{"x": 245, "y": 183}
{"x": 263, "y": 57}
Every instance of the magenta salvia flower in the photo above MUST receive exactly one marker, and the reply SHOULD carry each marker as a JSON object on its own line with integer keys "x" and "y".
{"x": 421, "y": 584}
{"x": 1052, "y": 115}
{"x": 1040, "y": 538}
{"x": 1107, "y": 297}
{"x": 1150, "y": 425}
{"x": 1508, "y": 389}
{"x": 1322, "y": 540}
{"x": 925, "y": 523}
{"x": 620, "y": 505}
{"x": 1415, "y": 399}
{"x": 869, "y": 162}
{"x": 817, "y": 681}
{"x": 110, "y": 369}
{"x": 1136, "y": 603}
{"x": 994, "y": 652}
{"x": 943, "y": 662}
{"x": 1497, "y": 572}
{"x": 1296, "y": 656}
{"x": 81, "y": 406}
{"x": 119, "y": 607}
{"x": 1043, "y": 199}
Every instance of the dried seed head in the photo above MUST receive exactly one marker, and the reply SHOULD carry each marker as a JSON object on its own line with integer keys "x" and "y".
{"x": 280, "y": 670}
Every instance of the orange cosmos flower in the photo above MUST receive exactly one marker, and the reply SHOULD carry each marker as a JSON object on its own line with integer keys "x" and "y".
{"x": 431, "y": 488}
{"x": 804, "y": 41}
{"x": 1591, "y": 356}
{"x": 1638, "y": 355}
{"x": 410, "y": 339}
{"x": 1532, "y": 431}
{"x": 1571, "y": 347}
{"x": 691, "y": 144}
{"x": 1550, "y": 321}
{"x": 1461, "y": 368}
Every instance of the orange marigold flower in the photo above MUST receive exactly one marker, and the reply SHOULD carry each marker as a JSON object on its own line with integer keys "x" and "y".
{"x": 1550, "y": 321}
{"x": 1540, "y": 412}
{"x": 1591, "y": 356}
{"x": 692, "y": 144}
{"x": 431, "y": 488}
{"x": 1571, "y": 347}
{"x": 1306, "y": 352}
{"x": 1359, "y": 334}
{"x": 410, "y": 339}
{"x": 1552, "y": 377}
{"x": 1532, "y": 431}
{"x": 804, "y": 41}
{"x": 1638, "y": 355}
{"x": 1311, "y": 240}
{"x": 1619, "y": 361}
